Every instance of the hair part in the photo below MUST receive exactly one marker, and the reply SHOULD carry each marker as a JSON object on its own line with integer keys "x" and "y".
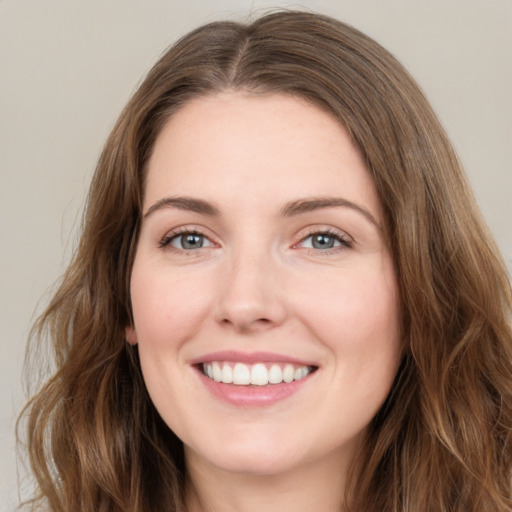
{"x": 442, "y": 440}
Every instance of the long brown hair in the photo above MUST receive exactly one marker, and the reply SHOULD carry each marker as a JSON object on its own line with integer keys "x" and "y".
{"x": 442, "y": 440}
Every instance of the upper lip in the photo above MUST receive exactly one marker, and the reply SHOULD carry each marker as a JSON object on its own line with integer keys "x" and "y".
{"x": 249, "y": 358}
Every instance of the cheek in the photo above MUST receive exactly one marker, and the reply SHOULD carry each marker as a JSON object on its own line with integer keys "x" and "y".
{"x": 354, "y": 311}
{"x": 357, "y": 317}
{"x": 168, "y": 307}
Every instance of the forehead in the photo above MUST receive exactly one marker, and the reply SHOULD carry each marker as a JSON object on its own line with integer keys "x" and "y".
{"x": 237, "y": 144}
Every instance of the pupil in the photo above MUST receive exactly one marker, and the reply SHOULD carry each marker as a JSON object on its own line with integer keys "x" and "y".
{"x": 192, "y": 241}
{"x": 323, "y": 242}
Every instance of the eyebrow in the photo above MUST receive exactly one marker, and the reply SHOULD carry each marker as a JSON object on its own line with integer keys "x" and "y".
{"x": 316, "y": 203}
{"x": 184, "y": 203}
{"x": 289, "y": 210}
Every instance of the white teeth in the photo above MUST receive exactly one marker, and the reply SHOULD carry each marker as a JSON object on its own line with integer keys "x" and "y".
{"x": 275, "y": 375}
{"x": 217, "y": 372}
{"x": 241, "y": 374}
{"x": 300, "y": 373}
{"x": 227, "y": 374}
{"x": 288, "y": 373}
{"x": 258, "y": 374}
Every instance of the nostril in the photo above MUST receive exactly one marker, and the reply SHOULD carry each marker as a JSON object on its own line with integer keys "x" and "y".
{"x": 247, "y": 325}
{"x": 256, "y": 321}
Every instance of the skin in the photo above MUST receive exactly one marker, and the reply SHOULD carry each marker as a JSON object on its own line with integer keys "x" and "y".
{"x": 259, "y": 283}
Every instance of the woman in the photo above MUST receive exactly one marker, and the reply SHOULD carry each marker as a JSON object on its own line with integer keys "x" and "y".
{"x": 284, "y": 295}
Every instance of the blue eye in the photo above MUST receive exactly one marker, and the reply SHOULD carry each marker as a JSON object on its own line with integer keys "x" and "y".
{"x": 186, "y": 241}
{"x": 323, "y": 241}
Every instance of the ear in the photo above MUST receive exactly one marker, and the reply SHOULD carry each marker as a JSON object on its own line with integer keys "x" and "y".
{"x": 131, "y": 335}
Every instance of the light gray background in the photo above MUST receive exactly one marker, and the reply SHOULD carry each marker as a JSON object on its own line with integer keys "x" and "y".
{"x": 67, "y": 68}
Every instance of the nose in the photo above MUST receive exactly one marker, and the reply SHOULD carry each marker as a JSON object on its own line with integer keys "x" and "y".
{"x": 250, "y": 297}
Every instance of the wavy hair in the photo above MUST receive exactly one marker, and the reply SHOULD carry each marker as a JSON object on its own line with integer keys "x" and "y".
{"x": 442, "y": 440}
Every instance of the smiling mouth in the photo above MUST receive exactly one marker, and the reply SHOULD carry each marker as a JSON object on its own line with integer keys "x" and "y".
{"x": 259, "y": 374}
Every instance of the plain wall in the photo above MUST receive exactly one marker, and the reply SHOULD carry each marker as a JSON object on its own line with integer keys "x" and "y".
{"x": 67, "y": 68}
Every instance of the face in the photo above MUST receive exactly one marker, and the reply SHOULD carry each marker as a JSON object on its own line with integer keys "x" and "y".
{"x": 264, "y": 297}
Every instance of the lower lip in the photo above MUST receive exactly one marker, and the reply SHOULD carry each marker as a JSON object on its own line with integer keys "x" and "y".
{"x": 252, "y": 396}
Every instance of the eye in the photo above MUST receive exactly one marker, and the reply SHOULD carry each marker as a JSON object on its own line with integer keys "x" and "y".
{"x": 186, "y": 241}
{"x": 324, "y": 240}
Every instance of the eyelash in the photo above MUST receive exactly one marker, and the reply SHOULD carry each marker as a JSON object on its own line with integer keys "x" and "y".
{"x": 167, "y": 240}
{"x": 343, "y": 239}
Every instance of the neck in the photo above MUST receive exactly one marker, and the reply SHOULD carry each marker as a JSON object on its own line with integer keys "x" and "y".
{"x": 318, "y": 487}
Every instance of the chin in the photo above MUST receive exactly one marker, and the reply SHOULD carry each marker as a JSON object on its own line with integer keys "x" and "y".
{"x": 249, "y": 458}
